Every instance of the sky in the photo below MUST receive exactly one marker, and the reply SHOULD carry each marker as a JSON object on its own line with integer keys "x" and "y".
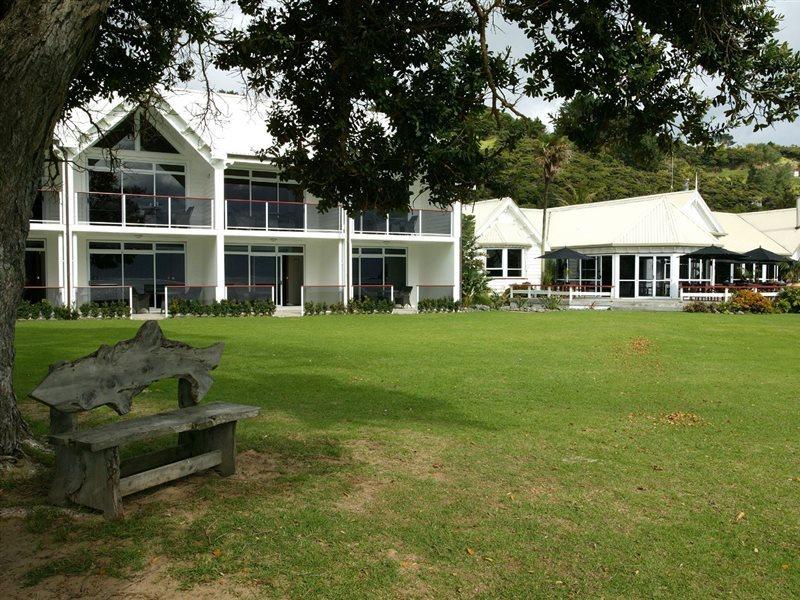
{"x": 506, "y": 35}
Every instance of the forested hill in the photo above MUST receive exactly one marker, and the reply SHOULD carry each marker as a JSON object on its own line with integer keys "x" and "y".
{"x": 731, "y": 178}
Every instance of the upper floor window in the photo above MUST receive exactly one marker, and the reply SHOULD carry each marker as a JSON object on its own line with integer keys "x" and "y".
{"x": 137, "y": 178}
{"x": 263, "y": 186}
{"x": 136, "y": 132}
{"x": 504, "y": 262}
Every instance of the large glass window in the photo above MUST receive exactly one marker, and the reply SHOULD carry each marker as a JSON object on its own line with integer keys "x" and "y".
{"x": 136, "y": 132}
{"x": 263, "y": 186}
{"x": 627, "y": 276}
{"x": 695, "y": 270}
{"x": 380, "y": 267}
{"x": 504, "y": 262}
{"x": 654, "y": 276}
{"x": 252, "y": 270}
{"x": 145, "y": 266}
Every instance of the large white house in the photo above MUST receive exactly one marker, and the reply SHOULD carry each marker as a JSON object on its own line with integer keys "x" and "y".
{"x": 636, "y": 246}
{"x": 187, "y": 208}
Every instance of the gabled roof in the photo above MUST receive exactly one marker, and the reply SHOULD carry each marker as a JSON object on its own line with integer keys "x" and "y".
{"x": 500, "y": 222}
{"x": 233, "y": 125}
{"x": 780, "y": 225}
{"x": 670, "y": 219}
{"x": 742, "y": 236}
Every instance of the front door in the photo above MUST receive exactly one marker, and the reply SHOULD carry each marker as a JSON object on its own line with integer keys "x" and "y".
{"x": 291, "y": 279}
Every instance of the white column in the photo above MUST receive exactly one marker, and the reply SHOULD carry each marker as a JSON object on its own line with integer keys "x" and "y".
{"x": 615, "y": 275}
{"x": 73, "y": 268}
{"x": 61, "y": 271}
{"x": 456, "y": 225}
{"x": 674, "y": 275}
{"x": 348, "y": 265}
{"x": 219, "y": 227}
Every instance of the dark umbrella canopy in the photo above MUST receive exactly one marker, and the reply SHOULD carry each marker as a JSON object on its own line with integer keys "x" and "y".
{"x": 564, "y": 254}
{"x": 760, "y": 255}
{"x": 717, "y": 253}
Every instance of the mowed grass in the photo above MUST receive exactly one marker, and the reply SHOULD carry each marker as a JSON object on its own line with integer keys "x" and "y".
{"x": 478, "y": 455}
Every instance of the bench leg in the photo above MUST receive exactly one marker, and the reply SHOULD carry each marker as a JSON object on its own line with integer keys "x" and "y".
{"x": 100, "y": 483}
{"x": 222, "y": 438}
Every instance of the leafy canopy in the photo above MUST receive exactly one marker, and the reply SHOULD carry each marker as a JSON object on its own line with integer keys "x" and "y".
{"x": 371, "y": 96}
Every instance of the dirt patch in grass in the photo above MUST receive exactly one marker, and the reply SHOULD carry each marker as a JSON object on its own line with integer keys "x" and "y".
{"x": 38, "y": 566}
{"x": 640, "y": 346}
{"x": 680, "y": 418}
{"x": 419, "y": 457}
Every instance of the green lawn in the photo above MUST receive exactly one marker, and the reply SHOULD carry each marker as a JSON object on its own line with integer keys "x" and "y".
{"x": 478, "y": 455}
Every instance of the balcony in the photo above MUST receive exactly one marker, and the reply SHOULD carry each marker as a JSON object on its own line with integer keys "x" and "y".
{"x": 418, "y": 222}
{"x": 261, "y": 215}
{"x": 138, "y": 210}
{"x": 46, "y": 207}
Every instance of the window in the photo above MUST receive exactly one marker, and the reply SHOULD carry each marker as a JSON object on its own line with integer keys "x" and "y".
{"x": 695, "y": 270}
{"x": 379, "y": 267}
{"x": 504, "y": 262}
{"x": 261, "y": 186}
{"x": 136, "y": 132}
{"x": 144, "y": 266}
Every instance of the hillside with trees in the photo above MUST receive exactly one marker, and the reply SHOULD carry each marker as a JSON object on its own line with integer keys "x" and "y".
{"x": 730, "y": 177}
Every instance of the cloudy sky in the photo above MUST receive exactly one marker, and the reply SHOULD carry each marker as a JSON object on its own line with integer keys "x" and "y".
{"x": 510, "y": 36}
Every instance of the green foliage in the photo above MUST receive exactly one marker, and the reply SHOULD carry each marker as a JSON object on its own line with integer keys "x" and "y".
{"x": 223, "y": 308}
{"x": 315, "y": 308}
{"x": 105, "y": 310}
{"x": 45, "y": 310}
{"x": 789, "y": 297}
{"x": 332, "y": 66}
{"x": 474, "y": 280}
{"x": 750, "y": 301}
{"x": 438, "y": 305}
{"x": 704, "y": 307}
{"x": 551, "y": 302}
{"x": 368, "y": 305}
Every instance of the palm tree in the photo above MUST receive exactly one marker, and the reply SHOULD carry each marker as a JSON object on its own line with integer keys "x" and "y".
{"x": 552, "y": 153}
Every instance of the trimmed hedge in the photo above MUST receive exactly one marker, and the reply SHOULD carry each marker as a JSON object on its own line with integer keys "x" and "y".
{"x": 45, "y": 310}
{"x": 222, "y": 308}
{"x": 106, "y": 310}
{"x": 438, "y": 305}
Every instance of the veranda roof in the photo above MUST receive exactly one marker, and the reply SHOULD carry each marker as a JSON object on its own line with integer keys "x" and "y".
{"x": 564, "y": 254}
{"x": 717, "y": 253}
{"x": 760, "y": 255}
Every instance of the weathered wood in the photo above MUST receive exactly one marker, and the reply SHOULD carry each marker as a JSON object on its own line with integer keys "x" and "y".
{"x": 151, "y": 460}
{"x": 153, "y": 426}
{"x": 222, "y": 438}
{"x": 182, "y": 468}
{"x": 99, "y": 488}
{"x": 61, "y": 422}
{"x": 112, "y": 376}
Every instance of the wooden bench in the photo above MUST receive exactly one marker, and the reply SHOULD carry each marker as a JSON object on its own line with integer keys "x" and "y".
{"x": 88, "y": 467}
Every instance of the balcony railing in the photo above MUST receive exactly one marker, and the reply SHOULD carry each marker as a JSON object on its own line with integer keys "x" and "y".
{"x": 375, "y": 292}
{"x": 279, "y": 216}
{"x": 416, "y": 222}
{"x": 246, "y": 292}
{"x": 141, "y": 210}
{"x": 36, "y": 293}
{"x": 434, "y": 292}
{"x": 328, "y": 294}
{"x": 204, "y": 294}
{"x": 103, "y": 294}
{"x": 46, "y": 207}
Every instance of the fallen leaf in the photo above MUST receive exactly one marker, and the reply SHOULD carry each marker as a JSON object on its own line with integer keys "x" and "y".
{"x": 785, "y": 567}
{"x": 740, "y": 516}
{"x": 216, "y": 552}
{"x": 755, "y": 550}
{"x": 470, "y": 551}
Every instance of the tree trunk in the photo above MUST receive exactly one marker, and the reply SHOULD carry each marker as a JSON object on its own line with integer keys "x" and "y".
{"x": 544, "y": 227}
{"x": 43, "y": 44}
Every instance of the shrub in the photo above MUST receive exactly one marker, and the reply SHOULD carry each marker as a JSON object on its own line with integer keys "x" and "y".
{"x": 65, "y": 313}
{"x": 315, "y": 308}
{"x": 750, "y": 301}
{"x": 699, "y": 307}
{"x": 789, "y": 298}
{"x": 338, "y": 308}
{"x": 224, "y": 308}
{"x": 25, "y": 310}
{"x": 438, "y": 305}
{"x": 551, "y": 302}
{"x": 369, "y": 305}
{"x": 45, "y": 309}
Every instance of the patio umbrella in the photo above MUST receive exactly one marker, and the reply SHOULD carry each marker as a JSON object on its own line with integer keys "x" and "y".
{"x": 716, "y": 252}
{"x": 564, "y": 254}
{"x": 762, "y": 256}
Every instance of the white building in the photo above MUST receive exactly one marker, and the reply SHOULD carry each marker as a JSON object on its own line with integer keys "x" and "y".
{"x": 636, "y": 245}
{"x": 188, "y": 209}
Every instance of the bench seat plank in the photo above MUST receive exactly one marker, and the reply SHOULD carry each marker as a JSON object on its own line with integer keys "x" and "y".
{"x": 201, "y": 416}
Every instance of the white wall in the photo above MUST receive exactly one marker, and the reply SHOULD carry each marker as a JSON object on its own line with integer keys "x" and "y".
{"x": 531, "y": 271}
{"x": 322, "y": 262}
